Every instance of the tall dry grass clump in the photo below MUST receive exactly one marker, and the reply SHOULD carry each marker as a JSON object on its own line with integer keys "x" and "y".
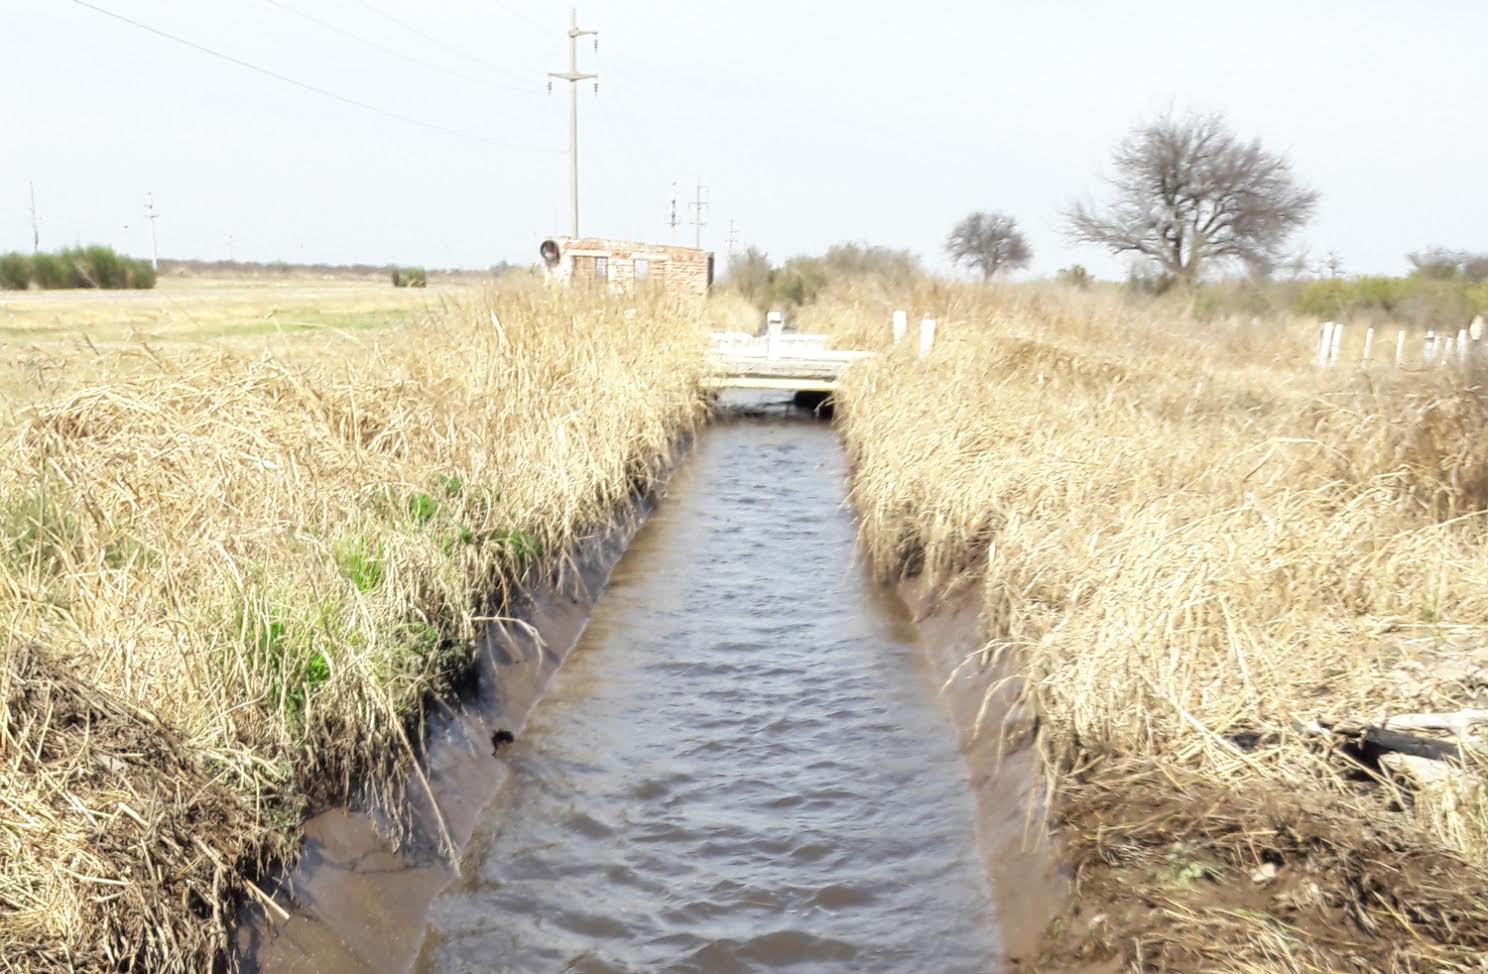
{"x": 229, "y": 587}
{"x": 1216, "y": 569}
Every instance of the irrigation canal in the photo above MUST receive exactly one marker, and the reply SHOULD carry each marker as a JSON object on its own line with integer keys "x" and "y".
{"x": 743, "y": 766}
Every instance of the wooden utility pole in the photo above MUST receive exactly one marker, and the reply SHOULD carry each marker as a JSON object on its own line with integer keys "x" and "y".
{"x": 573, "y": 76}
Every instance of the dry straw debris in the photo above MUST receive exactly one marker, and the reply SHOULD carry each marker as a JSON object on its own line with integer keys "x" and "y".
{"x": 230, "y": 584}
{"x": 1217, "y": 568}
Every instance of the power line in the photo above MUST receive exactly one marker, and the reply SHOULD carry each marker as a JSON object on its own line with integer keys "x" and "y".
{"x": 364, "y": 106}
{"x": 392, "y": 51}
{"x": 393, "y": 18}
{"x": 645, "y": 174}
{"x": 540, "y": 28}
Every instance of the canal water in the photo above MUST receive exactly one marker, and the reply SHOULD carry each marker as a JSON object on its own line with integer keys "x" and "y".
{"x": 743, "y": 765}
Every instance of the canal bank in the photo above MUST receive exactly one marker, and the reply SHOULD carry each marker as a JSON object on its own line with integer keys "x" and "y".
{"x": 751, "y": 736}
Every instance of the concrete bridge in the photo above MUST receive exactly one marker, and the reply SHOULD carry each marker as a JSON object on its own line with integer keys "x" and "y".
{"x": 794, "y": 363}
{"x": 791, "y": 361}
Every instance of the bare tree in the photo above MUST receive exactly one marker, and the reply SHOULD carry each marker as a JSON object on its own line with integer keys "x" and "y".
{"x": 989, "y": 242}
{"x": 1189, "y": 194}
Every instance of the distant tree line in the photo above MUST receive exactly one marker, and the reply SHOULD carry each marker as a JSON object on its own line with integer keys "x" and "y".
{"x": 74, "y": 267}
{"x": 1190, "y": 203}
{"x": 278, "y": 268}
{"x": 1444, "y": 289}
{"x": 800, "y": 280}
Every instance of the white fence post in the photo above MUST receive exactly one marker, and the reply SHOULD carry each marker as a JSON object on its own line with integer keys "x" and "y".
{"x": 1462, "y": 348}
{"x": 774, "y": 324}
{"x": 1325, "y": 342}
{"x": 901, "y": 325}
{"x": 927, "y": 335}
{"x": 1428, "y": 348}
{"x": 1399, "y": 347}
{"x": 1368, "y": 347}
{"x": 1337, "y": 344}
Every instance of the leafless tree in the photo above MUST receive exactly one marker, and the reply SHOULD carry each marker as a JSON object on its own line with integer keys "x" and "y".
{"x": 1189, "y": 194}
{"x": 989, "y": 242}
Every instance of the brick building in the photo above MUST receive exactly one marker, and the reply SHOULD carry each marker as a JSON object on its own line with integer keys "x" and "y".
{"x": 620, "y": 264}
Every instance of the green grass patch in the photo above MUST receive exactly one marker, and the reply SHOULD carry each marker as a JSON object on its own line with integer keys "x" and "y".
{"x": 360, "y": 563}
{"x": 422, "y": 508}
{"x": 37, "y": 531}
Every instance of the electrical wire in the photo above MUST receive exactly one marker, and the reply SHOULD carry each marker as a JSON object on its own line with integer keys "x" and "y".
{"x": 394, "y": 52}
{"x": 355, "y": 103}
{"x": 645, "y": 175}
{"x": 541, "y": 29}
{"x": 474, "y": 59}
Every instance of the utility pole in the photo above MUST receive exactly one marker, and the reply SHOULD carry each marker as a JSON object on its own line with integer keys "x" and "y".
{"x": 674, "y": 212}
{"x": 35, "y": 224}
{"x": 573, "y": 77}
{"x": 154, "y": 242}
{"x": 733, "y": 238}
{"x": 699, "y": 203}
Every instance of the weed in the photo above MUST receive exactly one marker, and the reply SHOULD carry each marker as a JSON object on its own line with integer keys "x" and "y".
{"x": 359, "y": 562}
{"x": 422, "y": 508}
{"x": 38, "y": 531}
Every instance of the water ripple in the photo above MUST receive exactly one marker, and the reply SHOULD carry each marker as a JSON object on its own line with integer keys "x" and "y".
{"x": 741, "y": 768}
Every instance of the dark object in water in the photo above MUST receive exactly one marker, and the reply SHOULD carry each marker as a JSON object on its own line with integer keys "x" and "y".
{"x": 817, "y": 402}
{"x": 499, "y": 739}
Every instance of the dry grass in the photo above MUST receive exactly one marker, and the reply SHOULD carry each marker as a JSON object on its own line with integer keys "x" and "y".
{"x": 230, "y": 583}
{"x": 1198, "y": 547}
{"x": 54, "y": 342}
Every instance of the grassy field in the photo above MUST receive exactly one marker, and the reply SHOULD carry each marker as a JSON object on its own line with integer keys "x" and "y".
{"x": 241, "y": 555}
{"x": 52, "y": 341}
{"x": 1215, "y": 567}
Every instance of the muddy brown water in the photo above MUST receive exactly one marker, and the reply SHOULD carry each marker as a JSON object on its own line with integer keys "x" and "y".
{"x": 743, "y": 766}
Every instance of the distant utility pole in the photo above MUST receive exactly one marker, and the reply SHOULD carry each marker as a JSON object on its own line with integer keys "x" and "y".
{"x": 674, "y": 211}
{"x": 699, "y": 204}
{"x": 153, "y": 215}
{"x": 573, "y": 77}
{"x": 231, "y": 252}
{"x": 733, "y": 238}
{"x": 35, "y": 224}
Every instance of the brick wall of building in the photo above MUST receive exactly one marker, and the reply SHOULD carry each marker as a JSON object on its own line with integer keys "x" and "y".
{"x": 683, "y": 271}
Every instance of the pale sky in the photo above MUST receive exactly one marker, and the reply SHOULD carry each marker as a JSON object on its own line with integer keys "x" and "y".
{"x": 811, "y": 121}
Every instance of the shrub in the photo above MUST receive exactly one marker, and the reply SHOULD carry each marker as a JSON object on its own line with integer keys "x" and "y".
{"x": 15, "y": 272}
{"x": 410, "y": 277}
{"x": 48, "y": 271}
{"x": 91, "y": 267}
{"x": 1075, "y": 275}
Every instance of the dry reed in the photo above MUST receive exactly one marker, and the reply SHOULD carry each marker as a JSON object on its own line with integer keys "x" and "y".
{"x": 230, "y": 585}
{"x": 1201, "y": 551}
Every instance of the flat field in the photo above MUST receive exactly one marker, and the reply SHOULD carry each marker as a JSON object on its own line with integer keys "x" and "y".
{"x": 55, "y": 341}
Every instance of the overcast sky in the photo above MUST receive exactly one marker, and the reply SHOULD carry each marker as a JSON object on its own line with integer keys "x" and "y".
{"x": 810, "y": 121}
